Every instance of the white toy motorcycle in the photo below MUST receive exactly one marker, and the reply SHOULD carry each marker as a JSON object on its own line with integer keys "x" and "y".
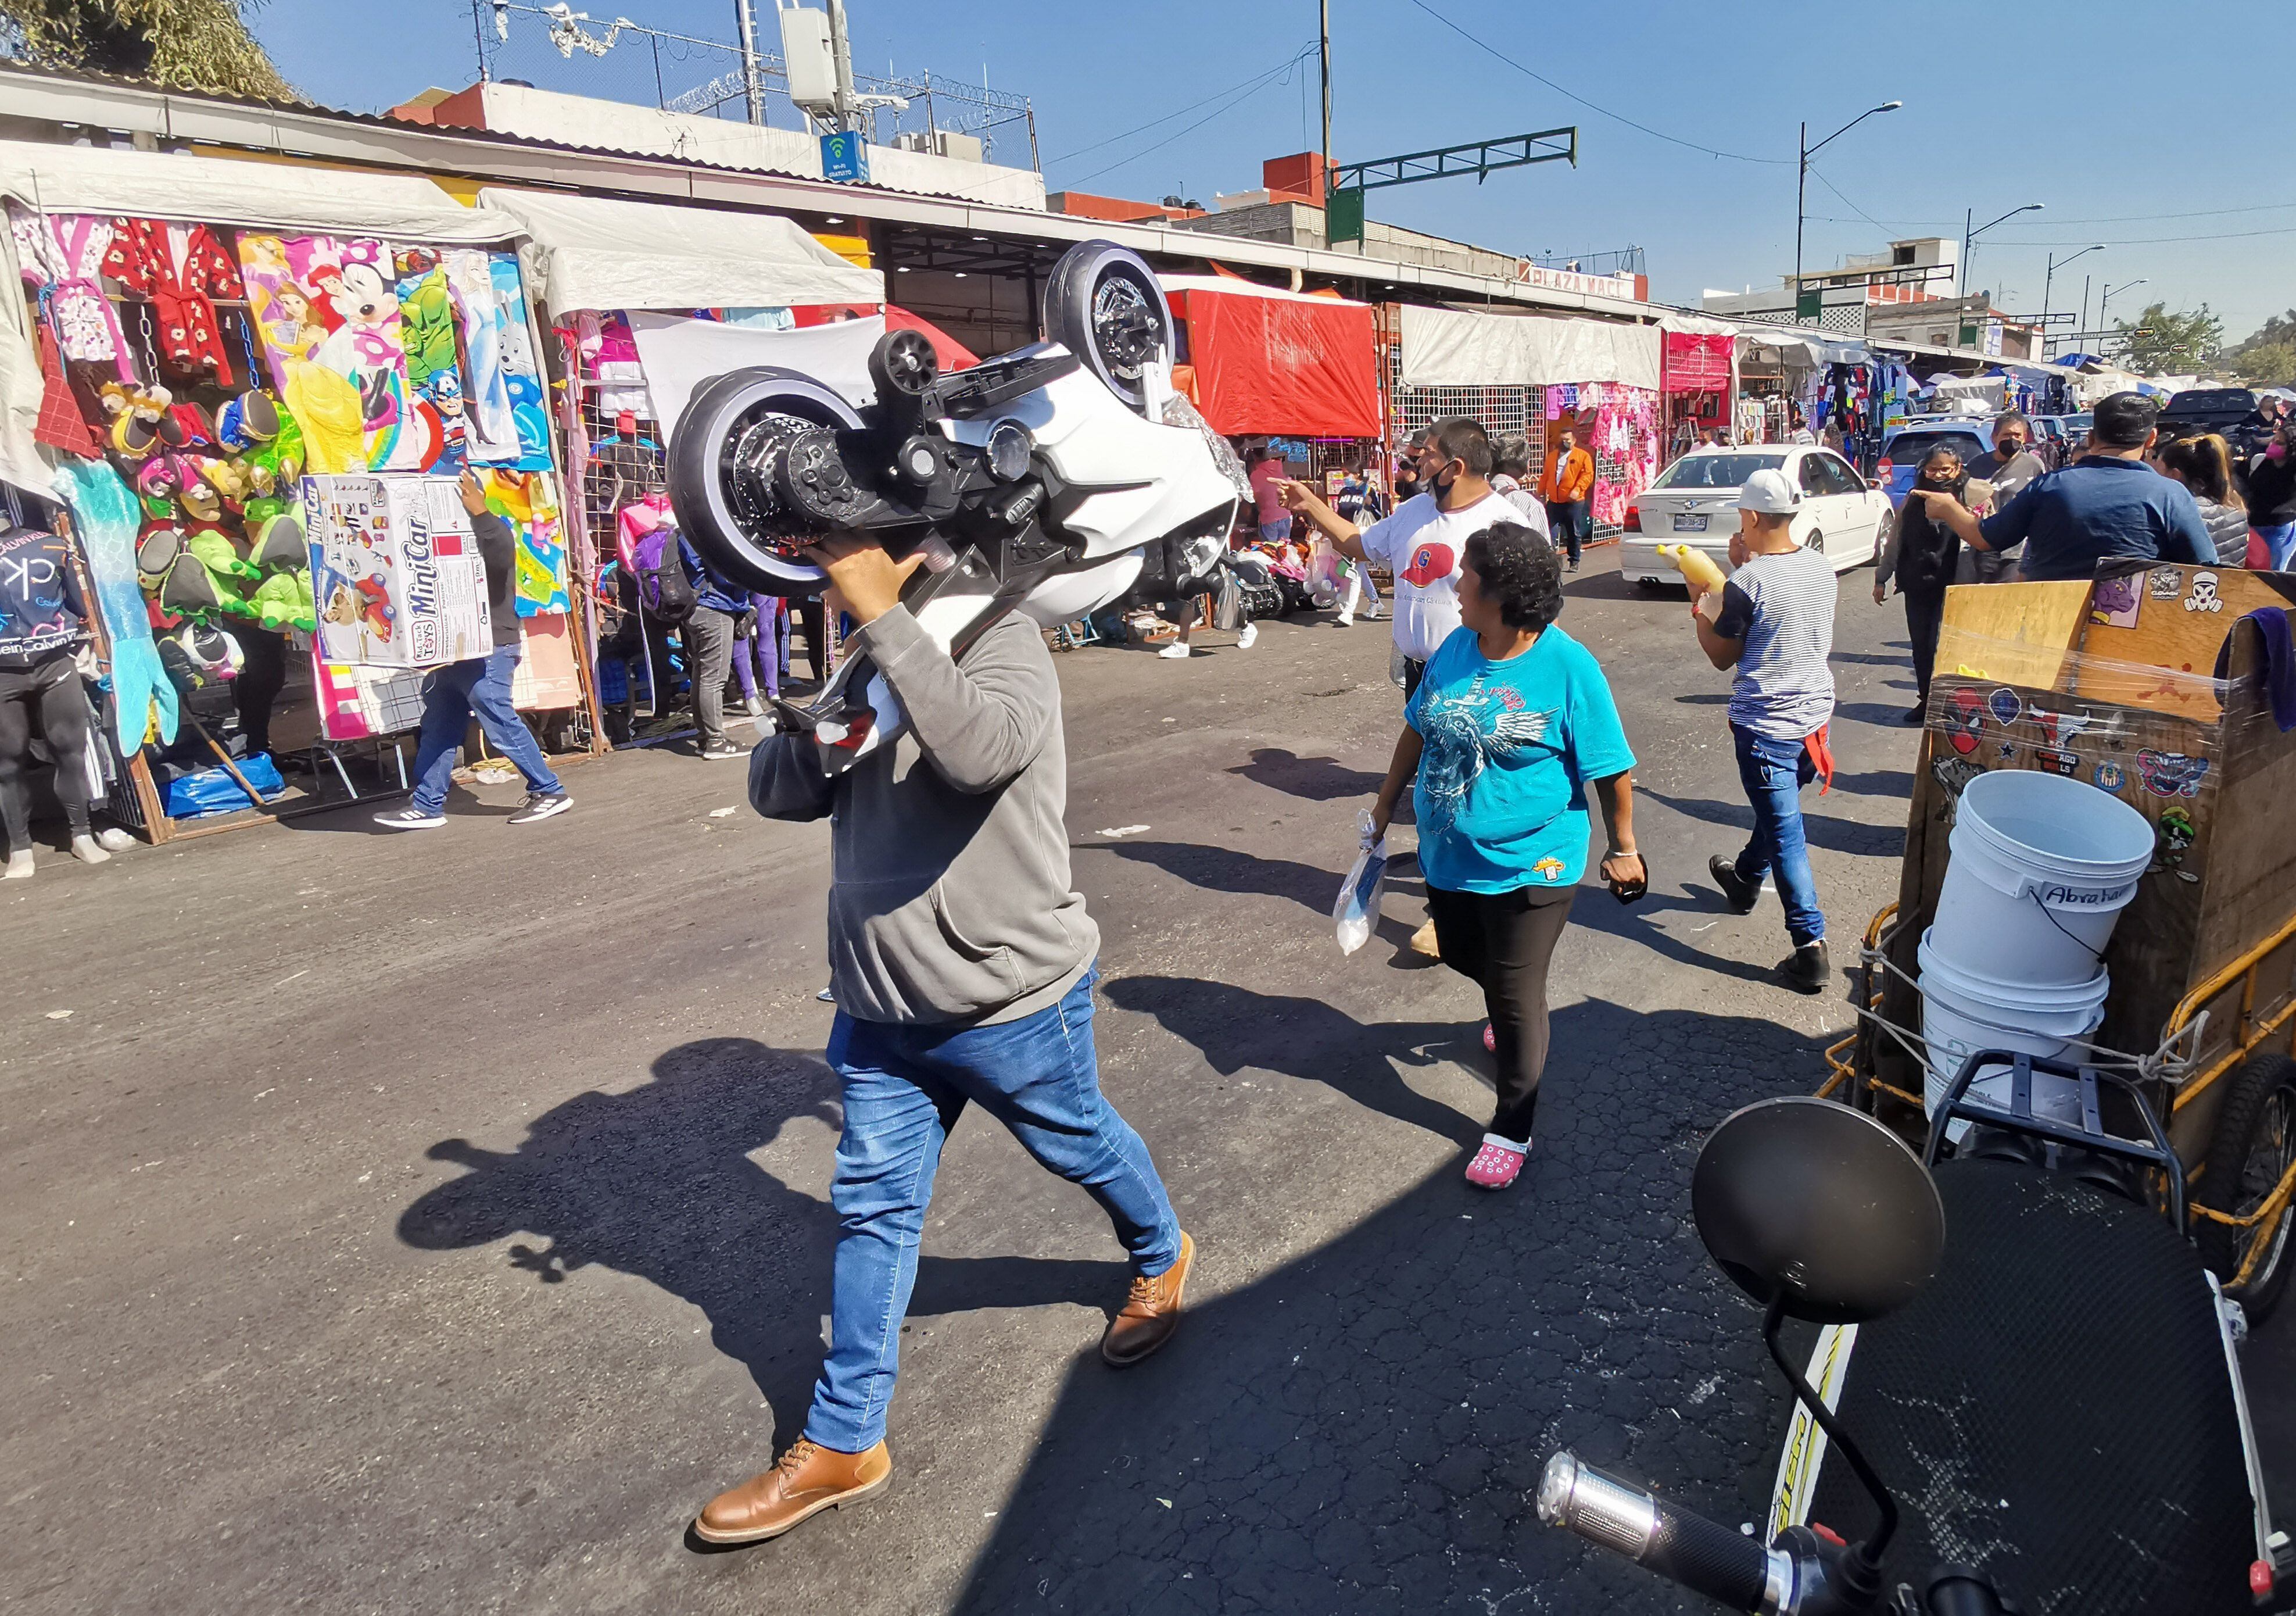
{"x": 1045, "y": 480}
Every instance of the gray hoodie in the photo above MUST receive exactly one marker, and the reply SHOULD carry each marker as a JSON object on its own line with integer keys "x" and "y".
{"x": 949, "y": 898}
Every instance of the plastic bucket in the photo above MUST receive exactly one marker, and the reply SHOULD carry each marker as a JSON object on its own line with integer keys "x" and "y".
{"x": 2042, "y": 866}
{"x": 1961, "y": 1015}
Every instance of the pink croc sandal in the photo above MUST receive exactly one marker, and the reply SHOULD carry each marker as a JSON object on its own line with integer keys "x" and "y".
{"x": 1496, "y": 1165}
{"x": 1490, "y": 1040}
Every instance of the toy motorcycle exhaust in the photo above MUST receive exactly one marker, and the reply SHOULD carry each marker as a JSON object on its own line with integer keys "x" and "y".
{"x": 1031, "y": 483}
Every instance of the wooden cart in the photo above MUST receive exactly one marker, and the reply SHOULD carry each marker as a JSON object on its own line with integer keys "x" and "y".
{"x": 2114, "y": 684}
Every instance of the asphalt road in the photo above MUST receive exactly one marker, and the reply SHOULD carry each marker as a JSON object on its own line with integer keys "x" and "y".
{"x": 434, "y": 1222}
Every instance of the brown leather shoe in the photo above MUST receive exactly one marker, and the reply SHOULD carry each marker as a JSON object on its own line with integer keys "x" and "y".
{"x": 808, "y": 1479}
{"x": 1151, "y": 1312}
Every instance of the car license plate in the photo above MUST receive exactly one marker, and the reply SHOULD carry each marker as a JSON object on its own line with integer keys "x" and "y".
{"x": 1690, "y": 524}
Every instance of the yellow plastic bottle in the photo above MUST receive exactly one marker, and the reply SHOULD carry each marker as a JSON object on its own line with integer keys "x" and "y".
{"x": 1697, "y": 568}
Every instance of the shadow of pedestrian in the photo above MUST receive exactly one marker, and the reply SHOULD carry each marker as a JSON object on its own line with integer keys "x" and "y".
{"x": 658, "y": 1181}
{"x": 1317, "y": 779}
{"x": 1236, "y": 1028}
{"x": 1362, "y": 1428}
{"x": 1820, "y": 830}
{"x": 1231, "y": 870}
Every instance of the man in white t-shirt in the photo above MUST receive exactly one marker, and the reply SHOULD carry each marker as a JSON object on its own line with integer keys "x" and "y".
{"x": 1421, "y": 543}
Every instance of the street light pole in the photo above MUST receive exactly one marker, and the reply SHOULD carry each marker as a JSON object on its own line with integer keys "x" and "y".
{"x": 1324, "y": 191}
{"x": 1969, "y": 236}
{"x": 2104, "y": 298}
{"x": 2056, "y": 264}
{"x": 1802, "y": 183}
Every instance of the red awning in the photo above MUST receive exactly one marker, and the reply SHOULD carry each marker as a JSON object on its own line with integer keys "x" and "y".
{"x": 1697, "y": 362}
{"x": 1283, "y": 363}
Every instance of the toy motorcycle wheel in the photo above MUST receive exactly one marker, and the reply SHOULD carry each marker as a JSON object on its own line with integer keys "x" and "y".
{"x": 2254, "y": 1147}
{"x": 721, "y": 464}
{"x": 1104, "y": 305}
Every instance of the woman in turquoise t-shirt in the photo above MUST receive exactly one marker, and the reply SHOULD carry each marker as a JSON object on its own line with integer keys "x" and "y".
{"x": 1511, "y": 724}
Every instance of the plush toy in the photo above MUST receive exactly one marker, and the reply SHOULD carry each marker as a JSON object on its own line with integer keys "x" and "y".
{"x": 141, "y": 424}
{"x": 283, "y": 601}
{"x": 199, "y": 655}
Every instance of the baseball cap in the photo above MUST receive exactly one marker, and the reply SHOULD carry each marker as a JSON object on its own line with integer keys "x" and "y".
{"x": 1768, "y": 493}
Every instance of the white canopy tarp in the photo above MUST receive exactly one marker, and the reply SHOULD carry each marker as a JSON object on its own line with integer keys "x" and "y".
{"x": 247, "y": 195}
{"x": 1235, "y": 285}
{"x": 1456, "y": 347}
{"x": 602, "y": 253}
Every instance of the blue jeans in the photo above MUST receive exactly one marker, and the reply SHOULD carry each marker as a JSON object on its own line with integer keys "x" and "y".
{"x": 1570, "y": 522}
{"x": 905, "y": 1088}
{"x": 452, "y": 696}
{"x": 1774, "y": 773}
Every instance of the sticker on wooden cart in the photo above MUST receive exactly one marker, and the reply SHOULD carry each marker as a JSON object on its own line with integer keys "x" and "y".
{"x": 2005, "y": 705}
{"x": 2171, "y": 774}
{"x": 1965, "y": 718}
{"x": 1805, "y": 1449}
{"x": 2205, "y": 596}
{"x": 2116, "y": 602}
{"x": 2177, "y": 834}
{"x": 2110, "y": 776}
{"x": 2057, "y": 760}
{"x": 2167, "y": 583}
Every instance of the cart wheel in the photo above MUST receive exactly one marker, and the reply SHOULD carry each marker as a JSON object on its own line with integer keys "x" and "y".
{"x": 2254, "y": 1147}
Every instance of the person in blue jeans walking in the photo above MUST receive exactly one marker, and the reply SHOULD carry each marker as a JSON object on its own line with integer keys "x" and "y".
{"x": 1772, "y": 620}
{"x": 479, "y": 687}
{"x": 962, "y": 961}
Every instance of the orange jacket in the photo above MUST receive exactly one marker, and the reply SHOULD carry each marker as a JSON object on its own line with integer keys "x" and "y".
{"x": 1574, "y": 480}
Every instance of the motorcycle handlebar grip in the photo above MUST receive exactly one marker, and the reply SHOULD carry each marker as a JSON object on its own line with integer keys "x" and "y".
{"x": 1704, "y": 1556}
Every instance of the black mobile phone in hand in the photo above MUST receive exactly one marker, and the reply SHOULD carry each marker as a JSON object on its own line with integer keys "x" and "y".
{"x": 1627, "y": 891}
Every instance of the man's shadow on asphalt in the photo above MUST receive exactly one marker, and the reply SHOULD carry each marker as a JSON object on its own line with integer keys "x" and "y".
{"x": 1317, "y": 779}
{"x": 1362, "y": 1426}
{"x": 658, "y": 1183}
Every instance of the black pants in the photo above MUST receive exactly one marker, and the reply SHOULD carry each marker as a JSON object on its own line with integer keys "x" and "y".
{"x": 1924, "y": 612}
{"x": 1503, "y": 942}
{"x": 262, "y": 675}
{"x": 812, "y": 616}
{"x": 51, "y": 691}
{"x": 1413, "y": 672}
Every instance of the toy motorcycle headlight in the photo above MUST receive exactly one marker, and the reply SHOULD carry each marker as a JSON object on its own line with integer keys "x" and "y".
{"x": 1010, "y": 445}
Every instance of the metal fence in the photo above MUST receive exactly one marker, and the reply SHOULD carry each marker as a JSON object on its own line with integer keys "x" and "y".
{"x": 557, "y": 48}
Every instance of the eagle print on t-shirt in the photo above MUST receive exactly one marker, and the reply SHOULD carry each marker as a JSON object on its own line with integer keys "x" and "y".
{"x": 1462, "y": 734}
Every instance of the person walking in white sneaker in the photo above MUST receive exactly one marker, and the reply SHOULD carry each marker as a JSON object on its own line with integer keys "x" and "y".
{"x": 1421, "y": 545}
{"x": 479, "y": 687}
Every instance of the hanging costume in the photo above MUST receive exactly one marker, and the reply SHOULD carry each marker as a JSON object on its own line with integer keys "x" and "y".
{"x": 182, "y": 269}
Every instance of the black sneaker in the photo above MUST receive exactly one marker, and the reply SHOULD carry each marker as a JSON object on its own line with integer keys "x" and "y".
{"x": 721, "y": 749}
{"x": 410, "y": 819}
{"x": 1737, "y": 891}
{"x": 1915, "y": 713}
{"x": 1808, "y": 969}
{"x": 540, "y": 805}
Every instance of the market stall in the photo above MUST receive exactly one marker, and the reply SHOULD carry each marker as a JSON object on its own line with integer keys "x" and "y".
{"x": 1698, "y": 379}
{"x": 201, "y": 342}
{"x": 1604, "y": 377}
{"x": 646, "y": 302}
{"x": 1296, "y": 367}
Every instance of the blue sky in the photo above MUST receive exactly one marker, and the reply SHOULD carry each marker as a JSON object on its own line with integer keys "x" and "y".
{"x": 2127, "y": 120}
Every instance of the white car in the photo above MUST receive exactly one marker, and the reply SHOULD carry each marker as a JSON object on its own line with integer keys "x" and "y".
{"x": 1695, "y": 502}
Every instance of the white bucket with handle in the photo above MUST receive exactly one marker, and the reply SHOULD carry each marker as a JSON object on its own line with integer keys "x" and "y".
{"x": 2042, "y": 867}
{"x": 1961, "y": 1015}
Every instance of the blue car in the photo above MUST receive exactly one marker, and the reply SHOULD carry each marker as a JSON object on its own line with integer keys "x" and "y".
{"x": 1903, "y": 448}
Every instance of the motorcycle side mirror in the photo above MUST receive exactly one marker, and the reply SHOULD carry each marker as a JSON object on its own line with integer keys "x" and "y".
{"x": 1817, "y": 1208}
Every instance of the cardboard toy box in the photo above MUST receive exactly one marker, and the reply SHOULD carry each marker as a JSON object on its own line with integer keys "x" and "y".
{"x": 395, "y": 571}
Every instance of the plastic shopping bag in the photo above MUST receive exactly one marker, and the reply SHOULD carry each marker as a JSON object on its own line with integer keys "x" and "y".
{"x": 1326, "y": 574}
{"x": 1356, "y": 909}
